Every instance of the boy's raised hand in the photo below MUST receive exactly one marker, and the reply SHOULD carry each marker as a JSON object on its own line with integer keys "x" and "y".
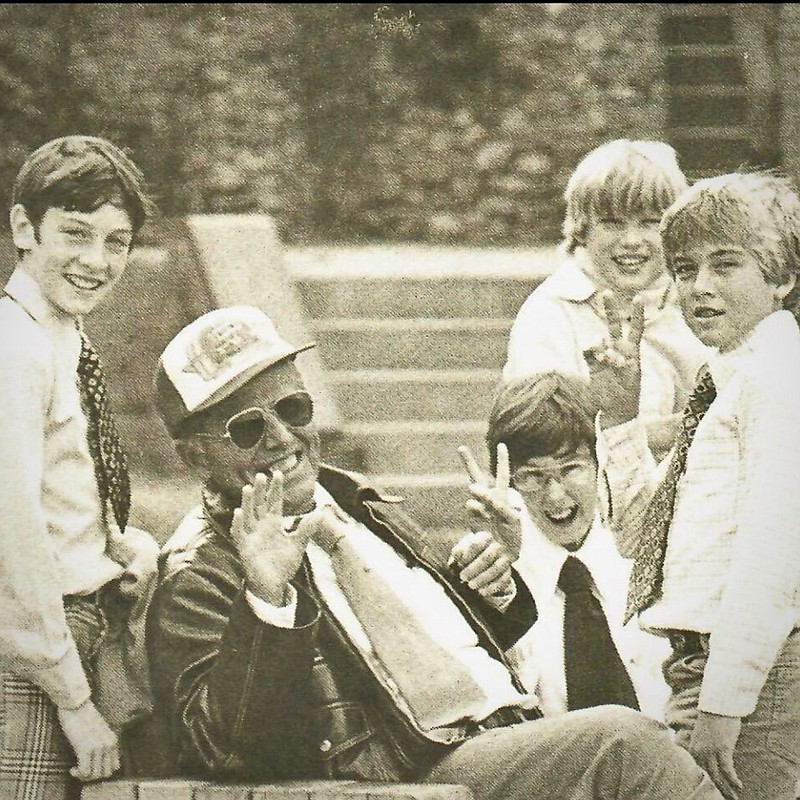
{"x": 615, "y": 368}
{"x": 485, "y": 566}
{"x": 270, "y": 555}
{"x": 490, "y": 504}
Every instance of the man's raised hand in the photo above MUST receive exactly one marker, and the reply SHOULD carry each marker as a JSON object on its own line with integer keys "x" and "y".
{"x": 270, "y": 555}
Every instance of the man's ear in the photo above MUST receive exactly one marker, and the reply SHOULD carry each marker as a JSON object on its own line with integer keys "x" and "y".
{"x": 193, "y": 453}
{"x": 22, "y": 229}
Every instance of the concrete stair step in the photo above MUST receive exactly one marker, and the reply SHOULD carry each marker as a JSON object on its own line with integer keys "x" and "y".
{"x": 370, "y": 343}
{"x": 408, "y": 394}
{"x": 412, "y": 281}
{"x": 403, "y": 297}
{"x": 414, "y": 447}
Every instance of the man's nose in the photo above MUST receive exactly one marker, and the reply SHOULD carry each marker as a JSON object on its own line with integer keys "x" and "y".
{"x": 277, "y": 434}
{"x": 632, "y": 234}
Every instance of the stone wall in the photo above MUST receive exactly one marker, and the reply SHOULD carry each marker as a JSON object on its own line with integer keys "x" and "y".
{"x": 427, "y": 122}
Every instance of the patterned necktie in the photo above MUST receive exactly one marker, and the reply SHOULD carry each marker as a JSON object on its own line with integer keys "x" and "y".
{"x": 647, "y": 573}
{"x": 594, "y": 670}
{"x": 110, "y": 464}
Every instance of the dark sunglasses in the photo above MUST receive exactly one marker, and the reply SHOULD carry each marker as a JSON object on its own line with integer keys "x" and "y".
{"x": 247, "y": 428}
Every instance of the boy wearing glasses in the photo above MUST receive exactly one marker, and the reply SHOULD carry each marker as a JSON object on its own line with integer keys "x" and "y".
{"x": 541, "y": 438}
{"x": 70, "y": 567}
{"x": 306, "y": 628}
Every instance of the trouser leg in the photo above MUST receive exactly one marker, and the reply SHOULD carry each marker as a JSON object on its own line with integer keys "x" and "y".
{"x": 767, "y": 755}
{"x": 34, "y": 755}
{"x": 605, "y": 753}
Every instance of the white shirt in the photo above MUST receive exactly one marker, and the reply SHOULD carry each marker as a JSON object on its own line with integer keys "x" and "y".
{"x": 732, "y": 565}
{"x": 53, "y": 541}
{"x": 563, "y": 317}
{"x": 539, "y": 654}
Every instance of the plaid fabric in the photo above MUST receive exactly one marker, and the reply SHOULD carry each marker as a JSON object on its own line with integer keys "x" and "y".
{"x": 35, "y": 756}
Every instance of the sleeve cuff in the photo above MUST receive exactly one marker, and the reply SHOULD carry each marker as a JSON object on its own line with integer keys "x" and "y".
{"x": 279, "y": 616}
{"x": 65, "y": 683}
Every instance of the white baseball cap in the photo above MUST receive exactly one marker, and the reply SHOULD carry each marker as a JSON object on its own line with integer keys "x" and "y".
{"x": 214, "y": 356}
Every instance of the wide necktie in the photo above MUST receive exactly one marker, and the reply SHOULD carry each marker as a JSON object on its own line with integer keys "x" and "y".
{"x": 110, "y": 464}
{"x": 594, "y": 670}
{"x": 647, "y": 573}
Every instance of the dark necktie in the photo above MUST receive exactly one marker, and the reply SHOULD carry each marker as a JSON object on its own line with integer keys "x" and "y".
{"x": 647, "y": 573}
{"x": 110, "y": 464}
{"x": 594, "y": 670}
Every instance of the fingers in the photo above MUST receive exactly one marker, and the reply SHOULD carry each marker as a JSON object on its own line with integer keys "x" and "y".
{"x": 273, "y": 500}
{"x": 637, "y": 322}
{"x": 476, "y": 474}
{"x": 503, "y": 470}
{"x": 96, "y": 764}
{"x": 237, "y": 530}
{"x": 485, "y": 565}
{"x": 612, "y": 313}
{"x": 493, "y": 506}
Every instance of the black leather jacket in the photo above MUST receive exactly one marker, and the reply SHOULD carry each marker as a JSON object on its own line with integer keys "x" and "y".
{"x": 245, "y": 699}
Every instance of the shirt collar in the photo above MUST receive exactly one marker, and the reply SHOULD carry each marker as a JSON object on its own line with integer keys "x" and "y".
{"x": 573, "y": 281}
{"x": 543, "y": 560}
{"x": 24, "y": 289}
{"x": 766, "y": 336}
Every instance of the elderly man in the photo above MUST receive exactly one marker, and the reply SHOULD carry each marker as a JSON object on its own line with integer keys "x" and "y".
{"x": 305, "y": 627}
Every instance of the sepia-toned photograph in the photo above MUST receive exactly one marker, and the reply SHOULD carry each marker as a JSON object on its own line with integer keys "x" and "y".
{"x": 400, "y": 401}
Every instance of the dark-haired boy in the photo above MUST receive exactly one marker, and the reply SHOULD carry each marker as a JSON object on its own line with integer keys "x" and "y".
{"x": 78, "y": 202}
{"x": 578, "y": 653}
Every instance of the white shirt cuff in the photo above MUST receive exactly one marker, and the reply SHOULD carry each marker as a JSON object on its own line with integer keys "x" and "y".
{"x": 279, "y": 616}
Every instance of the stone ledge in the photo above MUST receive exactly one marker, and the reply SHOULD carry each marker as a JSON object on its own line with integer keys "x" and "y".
{"x": 288, "y": 790}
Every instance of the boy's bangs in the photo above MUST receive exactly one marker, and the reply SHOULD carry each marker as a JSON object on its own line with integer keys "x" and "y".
{"x": 720, "y": 218}
{"x": 628, "y": 191}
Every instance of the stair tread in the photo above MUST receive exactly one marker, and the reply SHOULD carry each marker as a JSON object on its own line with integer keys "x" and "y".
{"x": 414, "y": 426}
{"x": 411, "y": 323}
{"x": 410, "y": 375}
{"x": 710, "y": 89}
{"x": 416, "y": 262}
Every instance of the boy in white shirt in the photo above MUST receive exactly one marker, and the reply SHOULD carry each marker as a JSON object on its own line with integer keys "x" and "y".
{"x": 615, "y": 199}
{"x": 543, "y": 427}
{"x": 717, "y": 567}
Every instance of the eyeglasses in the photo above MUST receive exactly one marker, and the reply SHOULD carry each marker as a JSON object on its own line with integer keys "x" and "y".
{"x": 529, "y": 478}
{"x": 246, "y": 429}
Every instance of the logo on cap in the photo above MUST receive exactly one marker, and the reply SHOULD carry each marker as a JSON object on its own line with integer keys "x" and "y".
{"x": 216, "y": 346}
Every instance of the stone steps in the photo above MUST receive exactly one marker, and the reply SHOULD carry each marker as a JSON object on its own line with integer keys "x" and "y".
{"x": 413, "y": 340}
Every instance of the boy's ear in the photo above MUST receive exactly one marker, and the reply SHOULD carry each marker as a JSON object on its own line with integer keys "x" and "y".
{"x": 193, "y": 453}
{"x": 22, "y": 229}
